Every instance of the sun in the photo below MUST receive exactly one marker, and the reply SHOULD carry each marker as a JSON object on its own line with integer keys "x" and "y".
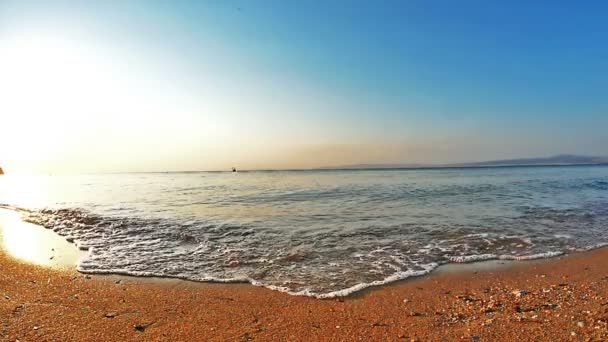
{"x": 70, "y": 96}
{"x": 50, "y": 85}
{"x": 37, "y": 83}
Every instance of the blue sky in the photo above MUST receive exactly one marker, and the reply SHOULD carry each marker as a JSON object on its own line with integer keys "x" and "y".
{"x": 273, "y": 84}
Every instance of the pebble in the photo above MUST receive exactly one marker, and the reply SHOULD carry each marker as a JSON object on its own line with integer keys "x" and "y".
{"x": 580, "y": 324}
{"x": 139, "y": 327}
{"x": 519, "y": 293}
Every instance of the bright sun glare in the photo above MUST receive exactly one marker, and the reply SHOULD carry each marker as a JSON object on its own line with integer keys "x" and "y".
{"x": 44, "y": 81}
{"x": 34, "y": 244}
{"x": 61, "y": 93}
{"x": 48, "y": 83}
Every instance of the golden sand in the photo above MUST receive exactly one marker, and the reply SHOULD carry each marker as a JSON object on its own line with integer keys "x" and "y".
{"x": 559, "y": 299}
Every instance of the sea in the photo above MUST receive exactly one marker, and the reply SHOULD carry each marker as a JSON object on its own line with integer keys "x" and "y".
{"x": 323, "y": 233}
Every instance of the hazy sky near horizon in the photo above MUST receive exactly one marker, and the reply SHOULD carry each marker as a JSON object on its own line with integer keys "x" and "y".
{"x": 177, "y": 85}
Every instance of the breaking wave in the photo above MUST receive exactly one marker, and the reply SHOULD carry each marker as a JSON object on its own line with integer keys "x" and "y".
{"x": 319, "y": 234}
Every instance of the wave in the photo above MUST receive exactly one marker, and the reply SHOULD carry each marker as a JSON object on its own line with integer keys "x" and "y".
{"x": 486, "y": 257}
{"x": 321, "y": 264}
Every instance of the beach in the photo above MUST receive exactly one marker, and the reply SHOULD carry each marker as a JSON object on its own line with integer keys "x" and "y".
{"x": 394, "y": 255}
{"x": 563, "y": 298}
{"x": 303, "y": 171}
{"x": 317, "y": 233}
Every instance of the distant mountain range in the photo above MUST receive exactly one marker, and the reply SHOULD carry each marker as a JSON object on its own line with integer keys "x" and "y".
{"x": 565, "y": 159}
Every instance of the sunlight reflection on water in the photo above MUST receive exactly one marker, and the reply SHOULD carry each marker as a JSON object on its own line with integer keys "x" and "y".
{"x": 35, "y": 244}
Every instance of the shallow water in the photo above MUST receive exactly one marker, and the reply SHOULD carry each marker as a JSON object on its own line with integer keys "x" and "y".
{"x": 318, "y": 233}
{"x": 34, "y": 244}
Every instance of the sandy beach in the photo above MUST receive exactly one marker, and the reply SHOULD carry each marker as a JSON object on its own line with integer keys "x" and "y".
{"x": 303, "y": 171}
{"x": 564, "y": 298}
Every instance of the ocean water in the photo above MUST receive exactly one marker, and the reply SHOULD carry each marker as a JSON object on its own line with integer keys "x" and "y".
{"x": 315, "y": 233}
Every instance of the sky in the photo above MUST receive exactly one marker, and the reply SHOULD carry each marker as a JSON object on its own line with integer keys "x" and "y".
{"x": 118, "y": 86}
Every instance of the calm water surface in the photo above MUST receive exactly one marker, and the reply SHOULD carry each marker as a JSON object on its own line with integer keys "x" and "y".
{"x": 317, "y": 233}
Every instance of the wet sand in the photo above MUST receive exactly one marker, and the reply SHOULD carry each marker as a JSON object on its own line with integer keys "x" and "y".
{"x": 564, "y": 298}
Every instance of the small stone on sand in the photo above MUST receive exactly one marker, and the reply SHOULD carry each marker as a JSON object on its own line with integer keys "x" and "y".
{"x": 139, "y": 327}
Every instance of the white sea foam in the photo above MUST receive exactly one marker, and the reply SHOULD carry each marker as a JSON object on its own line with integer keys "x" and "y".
{"x": 320, "y": 234}
{"x": 544, "y": 255}
{"x": 588, "y": 248}
{"x": 484, "y": 257}
{"x": 355, "y": 288}
{"x": 471, "y": 258}
{"x": 383, "y": 258}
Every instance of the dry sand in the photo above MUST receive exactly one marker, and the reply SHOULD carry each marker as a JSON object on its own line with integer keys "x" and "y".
{"x": 560, "y": 299}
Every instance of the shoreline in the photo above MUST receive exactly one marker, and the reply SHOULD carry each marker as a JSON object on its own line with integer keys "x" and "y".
{"x": 65, "y": 255}
{"x": 564, "y": 298}
{"x": 561, "y": 298}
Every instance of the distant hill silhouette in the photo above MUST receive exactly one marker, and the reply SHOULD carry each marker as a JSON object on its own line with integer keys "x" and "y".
{"x": 564, "y": 159}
